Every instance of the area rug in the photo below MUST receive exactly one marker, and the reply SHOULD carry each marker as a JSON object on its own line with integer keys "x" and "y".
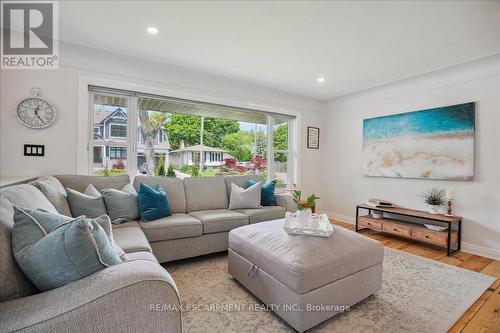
{"x": 418, "y": 295}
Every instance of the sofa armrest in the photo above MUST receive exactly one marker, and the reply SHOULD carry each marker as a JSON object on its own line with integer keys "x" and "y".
{"x": 138, "y": 296}
{"x": 285, "y": 200}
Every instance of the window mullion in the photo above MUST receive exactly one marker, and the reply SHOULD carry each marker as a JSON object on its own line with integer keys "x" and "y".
{"x": 132, "y": 136}
{"x": 270, "y": 149}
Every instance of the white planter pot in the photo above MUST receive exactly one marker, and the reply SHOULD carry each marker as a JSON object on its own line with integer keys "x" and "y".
{"x": 434, "y": 209}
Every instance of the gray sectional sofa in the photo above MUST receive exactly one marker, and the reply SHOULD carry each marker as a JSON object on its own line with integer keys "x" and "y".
{"x": 122, "y": 297}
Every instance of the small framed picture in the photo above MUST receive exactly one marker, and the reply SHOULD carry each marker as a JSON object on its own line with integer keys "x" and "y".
{"x": 312, "y": 137}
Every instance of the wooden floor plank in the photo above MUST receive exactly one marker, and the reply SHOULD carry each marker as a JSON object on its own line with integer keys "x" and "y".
{"x": 493, "y": 269}
{"x": 470, "y": 313}
{"x": 475, "y": 263}
{"x": 487, "y": 319}
{"x": 484, "y": 315}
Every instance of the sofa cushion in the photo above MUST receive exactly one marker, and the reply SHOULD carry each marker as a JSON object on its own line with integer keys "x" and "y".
{"x": 142, "y": 255}
{"x": 129, "y": 224}
{"x": 54, "y": 191}
{"x": 172, "y": 186}
{"x": 172, "y": 227}
{"x": 121, "y": 204}
{"x": 131, "y": 240}
{"x": 90, "y": 203}
{"x": 13, "y": 283}
{"x": 204, "y": 193}
{"x": 266, "y": 213}
{"x": 70, "y": 252}
{"x": 28, "y": 196}
{"x": 81, "y": 182}
{"x": 245, "y": 197}
{"x": 219, "y": 220}
{"x": 241, "y": 181}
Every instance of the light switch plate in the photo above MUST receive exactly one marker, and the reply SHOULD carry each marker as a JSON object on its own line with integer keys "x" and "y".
{"x": 34, "y": 150}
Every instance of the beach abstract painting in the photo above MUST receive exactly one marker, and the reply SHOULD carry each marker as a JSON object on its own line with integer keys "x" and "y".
{"x": 435, "y": 144}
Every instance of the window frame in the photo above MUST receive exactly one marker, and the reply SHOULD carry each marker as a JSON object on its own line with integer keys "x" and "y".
{"x": 111, "y": 130}
{"x": 131, "y": 91}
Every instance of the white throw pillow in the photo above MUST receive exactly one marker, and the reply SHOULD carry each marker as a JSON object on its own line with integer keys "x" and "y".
{"x": 242, "y": 198}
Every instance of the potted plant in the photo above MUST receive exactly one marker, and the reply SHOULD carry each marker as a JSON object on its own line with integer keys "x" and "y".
{"x": 435, "y": 198}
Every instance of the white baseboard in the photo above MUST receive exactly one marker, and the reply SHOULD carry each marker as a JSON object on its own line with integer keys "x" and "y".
{"x": 466, "y": 247}
{"x": 481, "y": 250}
{"x": 339, "y": 217}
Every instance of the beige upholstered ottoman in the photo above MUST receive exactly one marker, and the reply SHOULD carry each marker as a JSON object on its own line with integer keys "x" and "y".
{"x": 305, "y": 279}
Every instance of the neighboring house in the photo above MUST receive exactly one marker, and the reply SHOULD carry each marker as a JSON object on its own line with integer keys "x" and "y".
{"x": 110, "y": 140}
{"x": 213, "y": 157}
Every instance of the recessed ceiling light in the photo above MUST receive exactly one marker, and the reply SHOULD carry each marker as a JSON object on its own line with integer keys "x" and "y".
{"x": 152, "y": 30}
{"x": 320, "y": 79}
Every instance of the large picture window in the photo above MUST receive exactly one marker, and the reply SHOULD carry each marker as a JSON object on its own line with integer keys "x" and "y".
{"x": 142, "y": 134}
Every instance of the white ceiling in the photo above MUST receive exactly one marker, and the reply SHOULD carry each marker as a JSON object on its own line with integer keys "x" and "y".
{"x": 287, "y": 45}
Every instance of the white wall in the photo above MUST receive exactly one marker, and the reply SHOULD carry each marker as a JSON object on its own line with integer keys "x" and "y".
{"x": 477, "y": 201}
{"x": 61, "y": 87}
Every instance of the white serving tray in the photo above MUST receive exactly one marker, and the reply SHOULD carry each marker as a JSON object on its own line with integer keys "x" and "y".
{"x": 308, "y": 224}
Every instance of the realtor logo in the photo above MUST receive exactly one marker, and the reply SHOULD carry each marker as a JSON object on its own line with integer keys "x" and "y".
{"x": 29, "y": 35}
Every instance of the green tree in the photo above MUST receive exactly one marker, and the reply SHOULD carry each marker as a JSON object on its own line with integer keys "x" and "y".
{"x": 183, "y": 127}
{"x": 150, "y": 123}
{"x": 280, "y": 138}
{"x": 187, "y": 127}
{"x": 215, "y": 129}
{"x": 160, "y": 171}
{"x": 260, "y": 144}
{"x": 239, "y": 145}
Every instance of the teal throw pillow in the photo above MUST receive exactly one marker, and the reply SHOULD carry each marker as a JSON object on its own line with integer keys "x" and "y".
{"x": 69, "y": 252}
{"x": 153, "y": 202}
{"x": 267, "y": 197}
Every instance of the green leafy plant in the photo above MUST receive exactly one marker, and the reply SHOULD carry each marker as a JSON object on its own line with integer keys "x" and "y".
{"x": 310, "y": 200}
{"x": 170, "y": 170}
{"x": 296, "y": 198}
{"x": 106, "y": 172}
{"x": 434, "y": 196}
{"x": 195, "y": 170}
{"x": 160, "y": 170}
{"x": 185, "y": 168}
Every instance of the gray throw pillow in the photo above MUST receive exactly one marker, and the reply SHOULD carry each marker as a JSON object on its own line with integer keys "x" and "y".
{"x": 89, "y": 203}
{"x": 69, "y": 252}
{"x": 121, "y": 205}
{"x": 52, "y": 188}
{"x": 245, "y": 198}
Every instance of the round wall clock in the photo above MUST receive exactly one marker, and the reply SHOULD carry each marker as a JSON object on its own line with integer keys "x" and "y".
{"x": 36, "y": 112}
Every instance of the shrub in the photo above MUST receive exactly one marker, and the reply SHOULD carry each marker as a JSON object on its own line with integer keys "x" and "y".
{"x": 119, "y": 164}
{"x": 195, "y": 170}
{"x": 160, "y": 170}
{"x": 170, "y": 171}
{"x": 185, "y": 168}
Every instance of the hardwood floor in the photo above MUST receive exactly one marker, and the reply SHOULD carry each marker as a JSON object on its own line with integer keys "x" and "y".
{"x": 484, "y": 315}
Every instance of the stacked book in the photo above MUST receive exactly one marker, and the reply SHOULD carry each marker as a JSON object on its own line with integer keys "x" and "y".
{"x": 377, "y": 203}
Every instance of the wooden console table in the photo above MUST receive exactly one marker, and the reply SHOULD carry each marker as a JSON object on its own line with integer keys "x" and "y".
{"x": 450, "y": 238}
